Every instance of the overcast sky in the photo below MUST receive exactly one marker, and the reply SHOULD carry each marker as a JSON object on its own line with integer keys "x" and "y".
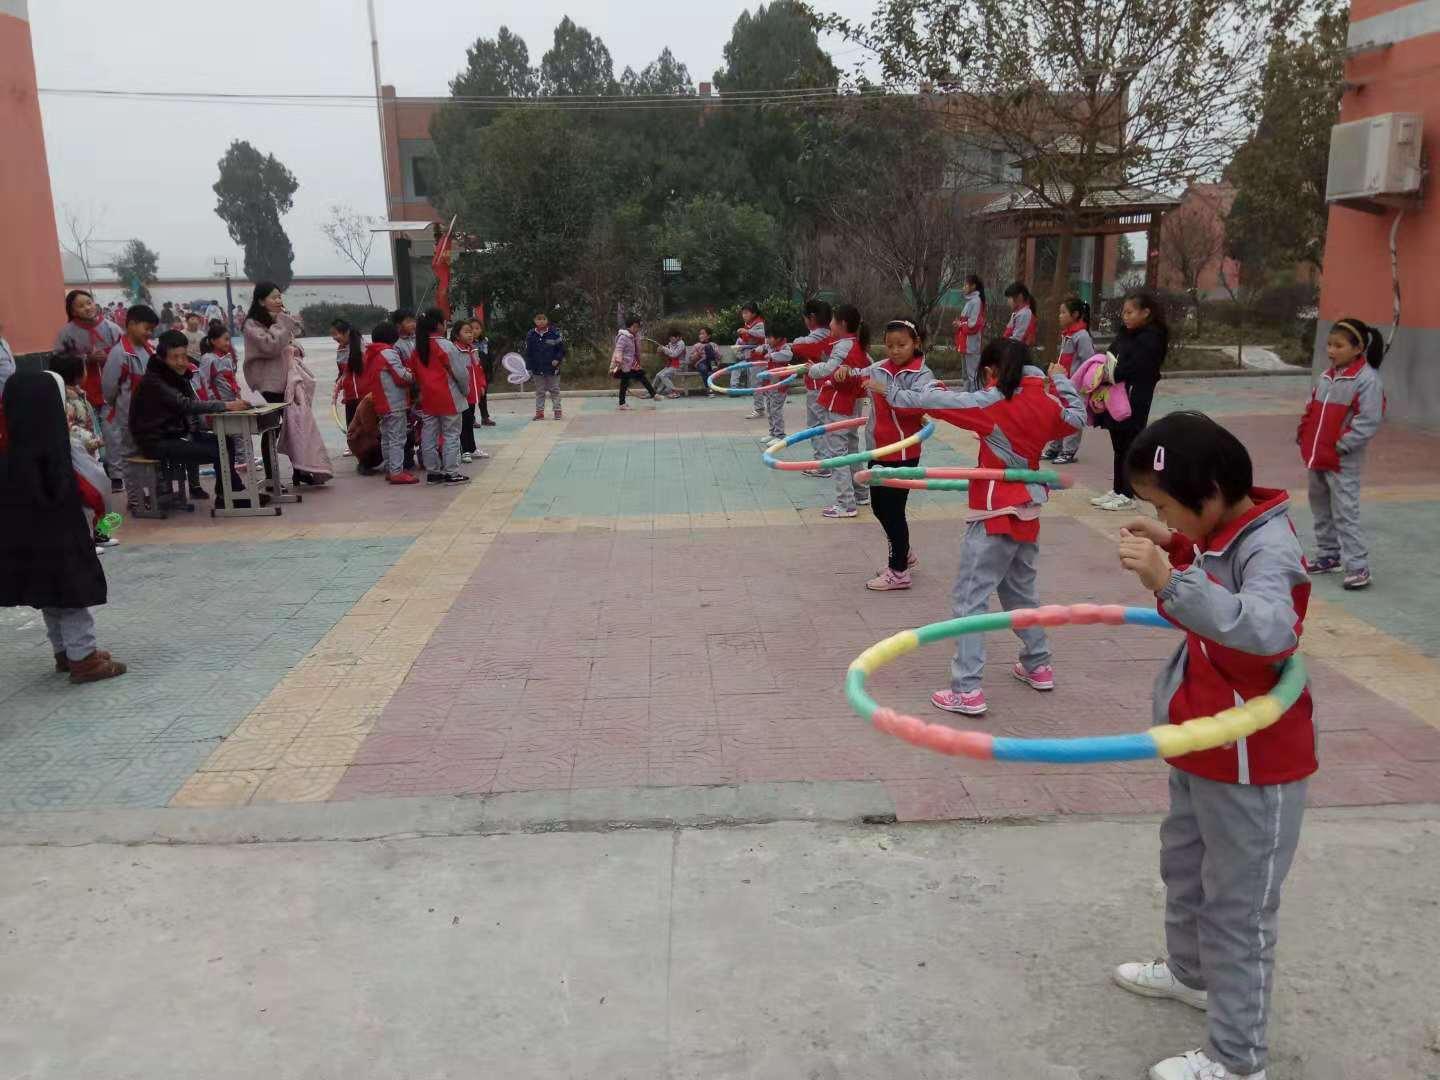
{"x": 146, "y": 167}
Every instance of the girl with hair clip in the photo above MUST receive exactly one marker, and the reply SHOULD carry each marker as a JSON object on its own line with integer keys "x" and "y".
{"x": 1075, "y": 348}
{"x": 904, "y": 366}
{"x": 1015, "y": 415}
{"x": 970, "y": 329}
{"x": 1341, "y": 417}
{"x": 1022, "y": 326}
{"x": 1226, "y": 568}
{"x": 838, "y": 398}
{"x": 442, "y": 376}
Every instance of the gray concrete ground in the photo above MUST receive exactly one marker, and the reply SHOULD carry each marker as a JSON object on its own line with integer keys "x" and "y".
{"x": 446, "y": 948}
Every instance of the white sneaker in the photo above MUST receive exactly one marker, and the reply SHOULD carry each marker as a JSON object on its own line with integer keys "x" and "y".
{"x": 1196, "y": 1066}
{"x": 1100, "y": 500}
{"x": 1156, "y": 980}
{"x": 466, "y": 458}
{"x": 1118, "y": 502}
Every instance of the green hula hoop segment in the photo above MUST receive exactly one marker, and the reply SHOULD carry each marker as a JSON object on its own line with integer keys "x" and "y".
{"x": 952, "y": 478}
{"x": 1165, "y": 741}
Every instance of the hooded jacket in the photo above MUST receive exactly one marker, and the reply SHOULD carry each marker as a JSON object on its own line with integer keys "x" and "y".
{"x": 1241, "y": 597}
{"x": 1342, "y": 415}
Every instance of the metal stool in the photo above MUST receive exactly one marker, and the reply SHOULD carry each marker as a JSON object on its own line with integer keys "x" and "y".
{"x": 154, "y": 489}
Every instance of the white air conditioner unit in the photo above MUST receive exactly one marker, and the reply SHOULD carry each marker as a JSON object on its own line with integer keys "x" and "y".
{"x": 1375, "y": 161}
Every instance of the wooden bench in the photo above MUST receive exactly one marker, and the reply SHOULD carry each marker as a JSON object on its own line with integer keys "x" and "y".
{"x": 153, "y": 489}
{"x": 682, "y": 378}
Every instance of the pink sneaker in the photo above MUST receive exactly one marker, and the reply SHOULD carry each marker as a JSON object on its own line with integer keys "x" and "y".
{"x": 971, "y": 704}
{"x": 837, "y": 512}
{"x": 1042, "y": 678}
{"x": 888, "y": 580}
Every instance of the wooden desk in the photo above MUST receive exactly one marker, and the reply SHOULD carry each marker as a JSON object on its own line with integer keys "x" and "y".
{"x": 263, "y": 420}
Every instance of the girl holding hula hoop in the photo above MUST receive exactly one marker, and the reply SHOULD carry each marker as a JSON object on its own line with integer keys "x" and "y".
{"x": 838, "y": 399}
{"x": 1016, "y": 414}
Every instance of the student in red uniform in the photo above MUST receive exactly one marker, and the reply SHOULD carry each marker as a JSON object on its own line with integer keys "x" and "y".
{"x": 462, "y": 336}
{"x": 124, "y": 368}
{"x": 750, "y": 337}
{"x": 90, "y": 336}
{"x": 838, "y": 400}
{"x": 441, "y": 376}
{"x": 1022, "y": 326}
{"x": 1226, "y": 567}
{"x": 486, "y": 372}
{"x": 388, "y": 381}
{"x": 812, "y": 347}
{"x": 1016, "y": 414}
{"x": 349, "y": 367}
{"x": 904, "y": 366}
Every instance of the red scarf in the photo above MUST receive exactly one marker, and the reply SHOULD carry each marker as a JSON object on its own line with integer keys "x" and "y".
{"x": 93, "y": 368}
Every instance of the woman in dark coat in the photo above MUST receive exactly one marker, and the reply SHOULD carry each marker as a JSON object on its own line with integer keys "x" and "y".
{"x": 47, "y": 549}
{"x": 1139, "y": 350}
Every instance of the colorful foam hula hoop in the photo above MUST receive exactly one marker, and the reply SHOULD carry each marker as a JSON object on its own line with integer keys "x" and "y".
{"x": 1167, "y": 741}
{"x": 844, "y": 459}
{"x": 745, "y": 391}
{"x": 953, "y": 478}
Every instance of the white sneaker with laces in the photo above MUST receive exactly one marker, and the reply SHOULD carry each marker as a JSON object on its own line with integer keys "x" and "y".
{"x": 1157, "y": 981}
{"x": 1118, "y": 502}
{"x": 1101, "y": 499}
{"x": 1196, "y": 1066}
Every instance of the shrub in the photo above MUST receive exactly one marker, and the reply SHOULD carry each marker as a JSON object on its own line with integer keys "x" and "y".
{"x": 1179, "y": 313}
{"x": 779, "y": 311}
{"x": 318, "y": 317}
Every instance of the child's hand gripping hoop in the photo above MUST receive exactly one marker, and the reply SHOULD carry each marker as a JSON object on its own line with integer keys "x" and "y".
{"x": 1166, "y": 741}
{"x": 843, "y": 460}
{"x": 792, "y": 372}
{"x": 954, "y": 478}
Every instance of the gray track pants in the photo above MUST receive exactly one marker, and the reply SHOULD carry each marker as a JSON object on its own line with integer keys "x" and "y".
{"x": 1335, "y": 504}
{"x": 392, "y": 441}
{"x": 70, "y": 630}
{"x": 440, "y": 442}
{"x": 972, "y": 371}
{"x": 772, "y": 404}
{"x": 1068, "y": 445}
{"x": 547, "y": 384}
{"x": 1006, "y": 567}
{"x": 814, "y": 417}
{"x": 848, "y": 493}
{"x": 1224, "y": 852}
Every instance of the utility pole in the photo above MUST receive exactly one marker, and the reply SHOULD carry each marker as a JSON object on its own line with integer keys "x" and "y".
{"x": 224, "y": 264}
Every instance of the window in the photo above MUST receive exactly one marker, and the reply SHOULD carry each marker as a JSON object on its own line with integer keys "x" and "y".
{"x": 422, "y": 176}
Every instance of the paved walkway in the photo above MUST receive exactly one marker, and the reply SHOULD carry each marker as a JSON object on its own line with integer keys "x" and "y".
{"x": 624, "y": 602}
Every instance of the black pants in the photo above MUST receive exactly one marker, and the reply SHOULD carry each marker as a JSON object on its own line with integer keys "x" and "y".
{"x": 350, "y": 407}
{"x": 484, "y": 406}
{"x": 626, "y": 377}
{"x": 1121, "y": 436}
{"x": 467, "y": 431}
{"x": 272, "y": 463}
{"x": 888, "y": 505}
{"x": 201, "y": 448}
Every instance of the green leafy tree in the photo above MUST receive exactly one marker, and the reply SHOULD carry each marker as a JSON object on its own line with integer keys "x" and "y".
{"x": 775, "y": 48}
{"x": 136, "y": 267}
{"x": 497, "y": 67}
{"x": 663, "y": 75}
{"x": 577, "y": 64}
{"x": 254, "y": 189}
{"x": 727, "y": 251}
{"x": 1280, "y": 214}
{"x": 1090, "y": 96}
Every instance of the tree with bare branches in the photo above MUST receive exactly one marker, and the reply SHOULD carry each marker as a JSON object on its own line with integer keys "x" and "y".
{"x": 1092, "y": 96}
{"x": 1193, "y": 239}
{"x": 81, "y": 225}
{"x": 349, "y": 233}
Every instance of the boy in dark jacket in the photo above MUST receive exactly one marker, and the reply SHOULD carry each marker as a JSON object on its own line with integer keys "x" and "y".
{"x": 164, "y": 410}
{"x": 544, "y": 353}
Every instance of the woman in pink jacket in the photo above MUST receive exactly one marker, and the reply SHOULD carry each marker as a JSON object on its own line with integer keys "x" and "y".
{"x": 269, "y": 331}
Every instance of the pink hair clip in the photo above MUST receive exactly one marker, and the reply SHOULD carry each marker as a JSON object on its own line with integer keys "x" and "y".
{"x": 1159, "y": 463}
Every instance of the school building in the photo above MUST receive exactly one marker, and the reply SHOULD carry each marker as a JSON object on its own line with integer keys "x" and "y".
{"x": 1393, "y": 66}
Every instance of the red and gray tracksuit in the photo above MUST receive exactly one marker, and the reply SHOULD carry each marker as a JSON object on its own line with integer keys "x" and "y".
{"x": 443, "y": 383}
{"x": 217, "y": 377}
{"x": 387, "y": 380}
{"x": 1021, "y": 326}
{"x": 771, "y": 403}
{"x": 1002, "y": 536}
{"x": 838, "y": 401}
{"x": 812, "y": 348}
{"x": 1235, "y": 811}
{"x": 1076, "y": 347}
{"x": 968, "y": 337}
{"x": 887, "y": 425}
{"x": 124, "y": 368}
{"x": 750, "y": 338}
{"x": 1342, "y": 416}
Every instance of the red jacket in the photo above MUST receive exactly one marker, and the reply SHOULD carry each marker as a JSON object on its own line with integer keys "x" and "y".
{"x": 887, "y": 424}
{"x": 348, "y": 380}
{"x": 1241, "y": 598}
{"x": 841, "y": 397}
{"x": 433, "y": 380}
{"x": 476, "y": 385}
{"x": 390, "y": 393}
{"x": 1342, "y": 415}
{"x": 1012, "y": 431}
{"x": 812, "y": 348}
